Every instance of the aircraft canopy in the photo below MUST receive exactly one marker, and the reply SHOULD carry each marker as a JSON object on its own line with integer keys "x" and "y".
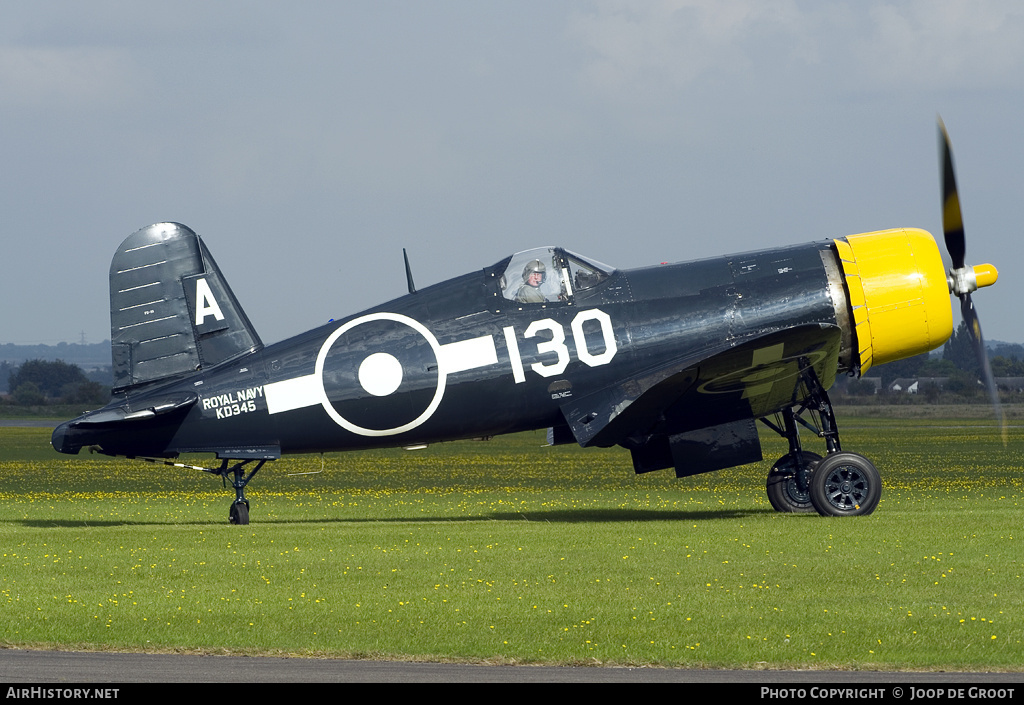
{"x": 559, "y": 271}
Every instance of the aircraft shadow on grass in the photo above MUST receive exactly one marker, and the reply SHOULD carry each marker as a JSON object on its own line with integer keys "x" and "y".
{"x": 556, "y": 516}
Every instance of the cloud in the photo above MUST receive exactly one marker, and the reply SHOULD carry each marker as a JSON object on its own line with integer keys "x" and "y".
{"x": 78, "y": 77}
{"x": 637, "y": 50}
{"x": 678, "y": 41}
{"x": 943, "y": 44}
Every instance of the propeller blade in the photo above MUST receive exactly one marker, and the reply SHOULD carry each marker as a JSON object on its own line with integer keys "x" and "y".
{"x": 952, "y": 220}
{"x": 963, "y": 279}
{"x": 978, "y": 341}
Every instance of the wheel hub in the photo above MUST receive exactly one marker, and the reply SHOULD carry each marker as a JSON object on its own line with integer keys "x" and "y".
{"x": 845, "y": 487}
{"x": 788, "y": 487}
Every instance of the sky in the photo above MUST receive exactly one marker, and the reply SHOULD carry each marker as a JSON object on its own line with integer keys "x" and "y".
{"x": 309, "y": 142}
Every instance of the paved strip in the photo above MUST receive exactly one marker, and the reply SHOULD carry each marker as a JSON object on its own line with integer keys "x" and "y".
{"x": 35, "y": 667}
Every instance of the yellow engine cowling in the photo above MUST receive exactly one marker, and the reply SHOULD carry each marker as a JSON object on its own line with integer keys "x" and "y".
{"x": 898, "y": 294}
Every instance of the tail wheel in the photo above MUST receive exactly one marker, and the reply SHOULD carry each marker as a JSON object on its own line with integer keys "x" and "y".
{"x": 787, "y": 491}
{"x": 239, "y": 513}
{"x": 845, "y": 484}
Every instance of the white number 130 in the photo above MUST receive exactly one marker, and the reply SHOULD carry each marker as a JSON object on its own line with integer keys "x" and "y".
{"x": 557, "y": 344}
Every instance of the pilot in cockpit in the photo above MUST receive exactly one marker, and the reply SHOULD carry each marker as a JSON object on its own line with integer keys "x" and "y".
{"x": 533, "y": 276}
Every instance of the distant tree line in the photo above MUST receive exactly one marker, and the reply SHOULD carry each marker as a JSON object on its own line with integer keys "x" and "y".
{"x": 958, "y": 365}
{"x": 85, "y": 355}
{"x": 38, "y": 382}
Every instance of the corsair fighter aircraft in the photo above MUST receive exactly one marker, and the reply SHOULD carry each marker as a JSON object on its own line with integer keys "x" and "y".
{"x": 675, "y": 362}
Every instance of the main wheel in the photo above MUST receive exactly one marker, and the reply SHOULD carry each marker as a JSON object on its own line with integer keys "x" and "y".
{"x": 844, "y": 485}
{"x": 239, "y": 513}
{"x": 783, "y": 488}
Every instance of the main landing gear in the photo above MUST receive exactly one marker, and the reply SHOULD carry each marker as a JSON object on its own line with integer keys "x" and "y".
{"x": 840, "y": 484}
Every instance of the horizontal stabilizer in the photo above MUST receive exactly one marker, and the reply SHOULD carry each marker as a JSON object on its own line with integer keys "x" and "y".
{"x": 171, "y": 311}
{"x": 124, "y": 422}
{"x": 154, "y": 407}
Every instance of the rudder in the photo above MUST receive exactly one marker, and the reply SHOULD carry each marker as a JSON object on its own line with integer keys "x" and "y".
{"x": 171, "y": 310}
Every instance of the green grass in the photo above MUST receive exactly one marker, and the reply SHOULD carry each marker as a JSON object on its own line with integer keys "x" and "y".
{"x": 511, "y": 552}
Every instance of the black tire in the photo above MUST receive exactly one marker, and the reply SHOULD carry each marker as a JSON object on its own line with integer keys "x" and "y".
{"x": 845, "y": 485}
{"x": 239, "y": 513}
{"x": 784, "y": 492}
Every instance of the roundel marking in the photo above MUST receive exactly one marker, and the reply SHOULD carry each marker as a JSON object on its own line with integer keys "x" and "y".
{"x": 380, "y": 374}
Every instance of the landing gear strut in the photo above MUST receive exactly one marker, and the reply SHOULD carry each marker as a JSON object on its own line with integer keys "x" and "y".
{"x": 239, "y": 513}
{"x": 841, "y": 484}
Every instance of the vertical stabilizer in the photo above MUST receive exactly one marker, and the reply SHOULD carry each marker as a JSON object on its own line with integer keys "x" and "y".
{"x": 171, "y": 311}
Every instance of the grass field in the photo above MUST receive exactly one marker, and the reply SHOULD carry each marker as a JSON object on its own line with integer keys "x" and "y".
{"x": 512, "y": 552}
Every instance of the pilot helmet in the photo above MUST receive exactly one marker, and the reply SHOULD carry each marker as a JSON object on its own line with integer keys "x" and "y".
{"x": 534, "y": 266}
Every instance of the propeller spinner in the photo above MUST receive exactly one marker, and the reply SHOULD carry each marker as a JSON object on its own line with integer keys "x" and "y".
{"x": 964, "y": 279}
